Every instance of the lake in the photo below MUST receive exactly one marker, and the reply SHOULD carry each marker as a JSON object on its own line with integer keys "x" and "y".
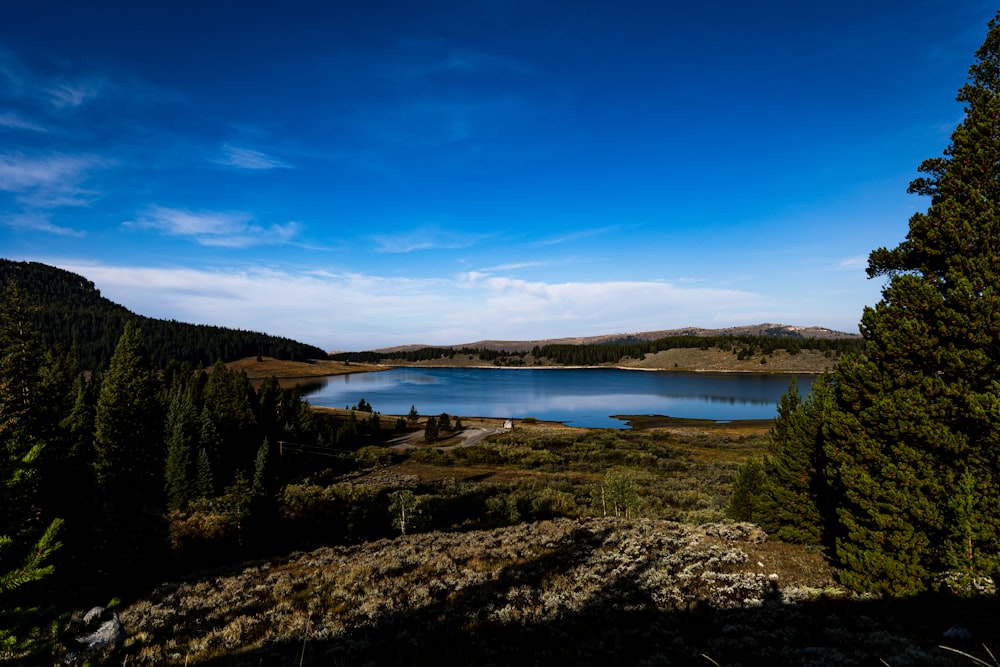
{"x": 579, "y": 397}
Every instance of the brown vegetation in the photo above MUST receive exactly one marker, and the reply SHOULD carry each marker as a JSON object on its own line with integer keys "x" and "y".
{"x": 567, "y": 582}
{"x": 678, "y": 359}
{"x": 264, "y": 367}
{"x": 597, "y": 591}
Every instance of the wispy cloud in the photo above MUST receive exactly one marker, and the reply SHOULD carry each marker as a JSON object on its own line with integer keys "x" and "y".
{"x": 39, "y": 223}
{"x": 474, "y": 62}
{"x": 50, "y": 180}
{"x": 578, "y": 235}
{"x": 19, "y": 173}
{"x": 513, "y": 266}
{"x": 230, "y": 229}
{"x": 246, "y": 158}
{"x": 425, "y": 238}
{"x": 853, "y": 263}
{"x": 71, "y": 94}
{"x": 13, "y": 121}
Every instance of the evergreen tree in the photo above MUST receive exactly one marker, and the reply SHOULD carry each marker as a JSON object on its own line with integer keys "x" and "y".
{"x": 25, "y": 556}
{"x": 912, "y": 442}
{"x": 792, "y": 490}
{"x": 431, "y": 429}
{"x": 231, "y": 401}
{"x": 21, "y": 401}
{"x": 204, "y": 482}
{"x": 183, "y": 430}
{"x": 444, "y": 422}
{"x": 260, "y": 468}
{"x": 128, "y": 440}
{"x": 747, "y": 488}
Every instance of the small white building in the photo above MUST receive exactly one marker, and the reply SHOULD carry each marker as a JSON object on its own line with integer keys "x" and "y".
{"x": 508, "y": 424}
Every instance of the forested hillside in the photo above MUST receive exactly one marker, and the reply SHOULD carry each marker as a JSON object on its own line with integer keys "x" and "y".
{"x": 593, "y": 354}
{"x": 73, "y": 312}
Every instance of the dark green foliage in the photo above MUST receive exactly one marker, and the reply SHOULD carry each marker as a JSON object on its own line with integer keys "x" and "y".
{"x": 910, "y": 433}
{"x": 204, "y": 480}
{"x": 183, "y": 431}
{"x": 747, "y": 488}
{"x": 231, "y": 404}
{"x": 444, "y": 422}
{"x": 25, "y": 546}
{"x": 744, "y": 347}
{"x": 792, "y": 494}
{"x": 431, "y": 429}
{"x": 22, "y": 406}
{"x": 128, "y": 427}
{"x": 73, "y": 313}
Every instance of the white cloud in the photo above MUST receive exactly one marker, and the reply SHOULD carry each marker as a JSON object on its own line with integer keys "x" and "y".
{"x": 853, "y": 263}
{"x": 229, "y": 229}
{"x": 13, "y": 121}
{"x": 425, "y": 238}
{"x": 39, "y": 223}
{"x": 71, "y": 94}
{"x": 19, "y": 173}
{"x": 476, "y": 63}
{"x": 48, "y": 181}
{"x": 352, "y": 311}
{"x": 245, "y": 158}
{"x": 577, "y": 235}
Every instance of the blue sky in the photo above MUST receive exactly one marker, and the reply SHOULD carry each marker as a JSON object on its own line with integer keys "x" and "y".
{"x": 365, "y": 174}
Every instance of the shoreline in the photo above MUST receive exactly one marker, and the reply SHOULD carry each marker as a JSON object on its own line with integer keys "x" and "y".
{"x": 618, "y": 368}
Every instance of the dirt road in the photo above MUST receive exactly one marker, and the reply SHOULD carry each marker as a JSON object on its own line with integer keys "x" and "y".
{"x": 469, "y": 436}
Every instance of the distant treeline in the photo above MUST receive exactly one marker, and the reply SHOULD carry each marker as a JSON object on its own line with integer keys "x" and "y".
{"x": 72, "y": 312}
{"x": 743, "y": 346}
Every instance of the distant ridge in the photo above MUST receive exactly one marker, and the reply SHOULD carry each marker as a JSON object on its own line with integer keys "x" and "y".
{"x": 771, "y": 330}
{"x": 72, "y": 312}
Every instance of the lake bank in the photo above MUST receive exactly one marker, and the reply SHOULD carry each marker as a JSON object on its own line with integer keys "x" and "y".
{"x": 589, "y": 397}
{"x": 682, "y": 360}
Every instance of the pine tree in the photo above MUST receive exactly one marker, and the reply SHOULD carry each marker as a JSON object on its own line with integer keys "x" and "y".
{"x": 21, "y": 401}
{"x": 232, "y": 403}
{"x": 205, "y": 481}
{"x": 183, "y": 430}
{"x": 917, "y": 416}
{"x": 431, "y": 429}
{"x": 25, "y": 556}
{"x": 791, "y": 490}
{"x": 128, "y": 440}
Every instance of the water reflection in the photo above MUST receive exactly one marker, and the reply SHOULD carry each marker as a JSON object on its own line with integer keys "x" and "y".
{"x": 581, "y": 397}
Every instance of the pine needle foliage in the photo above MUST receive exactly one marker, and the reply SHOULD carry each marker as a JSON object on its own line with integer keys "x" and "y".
{"x": 906, "y": 475}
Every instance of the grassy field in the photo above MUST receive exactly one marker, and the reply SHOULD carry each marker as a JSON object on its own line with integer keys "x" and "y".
{"x": 269, "y": 366}
{"x": 544, "y": 544}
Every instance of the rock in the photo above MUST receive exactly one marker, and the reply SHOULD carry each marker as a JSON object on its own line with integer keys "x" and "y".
{"x": 957, "y": 632}
{"x": 106, "y": 630}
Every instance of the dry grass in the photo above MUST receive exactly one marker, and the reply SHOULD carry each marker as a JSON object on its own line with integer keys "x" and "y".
{"x": 678, "y": 359}
{"x": 583, "y": 592}
{"x": 269, "y": 366}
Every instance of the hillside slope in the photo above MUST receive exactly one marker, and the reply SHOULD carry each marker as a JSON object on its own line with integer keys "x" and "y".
{"x": 583, "y": 592}
{"x": 73, "y": 312}
{"x": 767, "y": 330}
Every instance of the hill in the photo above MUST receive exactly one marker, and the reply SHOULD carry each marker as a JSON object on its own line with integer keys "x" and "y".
{"x": 73, "y": 312}
{"x": 584, "y": 592}
{"x": 761, "y": 330}
{"x": 771, "y": 348}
